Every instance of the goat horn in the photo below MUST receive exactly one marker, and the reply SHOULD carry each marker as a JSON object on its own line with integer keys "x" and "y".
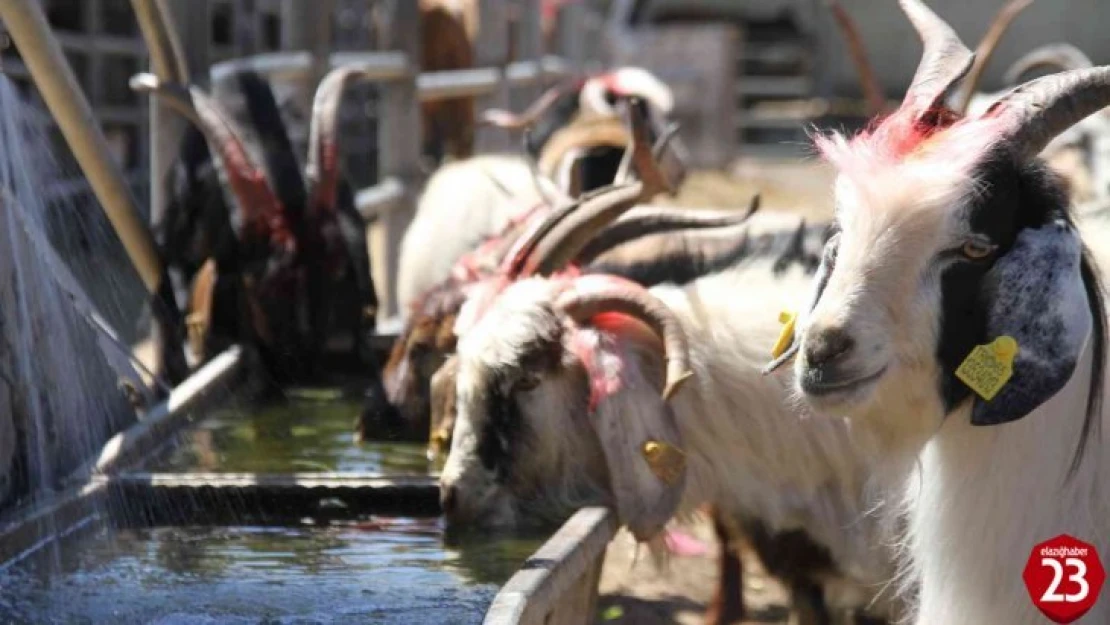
{"x": 248, "y": 181}
{"x": 1040, "y": 109}
{"x": 634, "y": 301}
{"x": 508, "y": 120}
{"x": 592, "y": 97}
{"x": 559, "y": 238}
{"x": 944, "y": 61}
{"x": 646, "y": 221}
{"x": 322, "y": 168}
{"x": 985, "y": 50}
{"x": 1059, "y": 57}
{"x": 872, "y": 90}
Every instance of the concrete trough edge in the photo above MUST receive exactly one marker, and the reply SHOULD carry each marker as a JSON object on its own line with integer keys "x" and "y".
{"x": 558, "y": 584}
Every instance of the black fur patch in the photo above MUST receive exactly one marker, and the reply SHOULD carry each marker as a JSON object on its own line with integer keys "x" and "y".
{"x": 1013, "y": 198}
{"x": 686, "y": 265}
{"x": 501, "y": 432}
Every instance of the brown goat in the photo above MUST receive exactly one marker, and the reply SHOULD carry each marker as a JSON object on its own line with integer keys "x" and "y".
{"x": 449, "y": 28}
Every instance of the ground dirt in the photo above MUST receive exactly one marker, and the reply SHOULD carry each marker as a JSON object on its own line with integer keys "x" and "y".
{"x": 803, "y": 187}
{"x": 636, "y": 590}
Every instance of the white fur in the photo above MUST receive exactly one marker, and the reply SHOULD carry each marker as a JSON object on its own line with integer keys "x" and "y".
{"x": 749, "y": 450}
{"x": 463, "y": 203}
{"x": 975, "y": 500}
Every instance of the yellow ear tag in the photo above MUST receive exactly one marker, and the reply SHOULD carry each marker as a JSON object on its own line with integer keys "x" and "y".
{"x": 665, "y": 460}
{"x": 988, "y": 367}
{"x": 786, "y": 336}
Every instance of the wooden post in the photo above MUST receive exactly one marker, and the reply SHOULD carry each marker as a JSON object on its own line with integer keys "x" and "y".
{"x": 492, "y": 50}
{"x": 399, "y": 144}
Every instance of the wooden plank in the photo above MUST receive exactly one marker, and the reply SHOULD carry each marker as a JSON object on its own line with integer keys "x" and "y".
{"x": 558, "y": 584}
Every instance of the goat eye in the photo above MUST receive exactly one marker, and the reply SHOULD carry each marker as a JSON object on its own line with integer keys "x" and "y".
{"x": 978, "y": 248}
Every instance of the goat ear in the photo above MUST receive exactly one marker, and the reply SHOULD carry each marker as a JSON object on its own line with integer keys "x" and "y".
{"x": 637, "y": 432}
{"x": 1035, "y": 294}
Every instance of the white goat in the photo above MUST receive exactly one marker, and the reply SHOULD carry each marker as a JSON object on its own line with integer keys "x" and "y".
{"x": 463, "y": 203}
{"x": 466, "y": 201}
{"x": 557, "y": 398}
{"x": 952, "y": 234}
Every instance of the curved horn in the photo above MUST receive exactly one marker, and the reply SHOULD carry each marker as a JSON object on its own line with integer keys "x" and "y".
{"x": 508, "y": 120}
{"x": 1039, "y": 110}
{"x": 632, "y": 300}
{"x": 247, "y": 180}
{"x": 582, "y": 133}
{"x": 872, "y": 90}
{"x": 322, "y": 167}
{"x": 944, "y": 60}
{"x": 985, "y": 50}
{"x": 591, "y": 98}
{"x": 554, "y": 242}
{"x": 637, "y": 82}
{"x": 1059, "y": 57}
{"x": 647, "y": 220}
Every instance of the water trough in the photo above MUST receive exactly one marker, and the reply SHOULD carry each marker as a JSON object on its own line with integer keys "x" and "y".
{"x": 142, "y": 494}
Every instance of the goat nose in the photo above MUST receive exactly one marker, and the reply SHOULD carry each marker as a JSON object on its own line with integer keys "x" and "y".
{"x": 828, "y": 345}
{"x": 448, "y": 499}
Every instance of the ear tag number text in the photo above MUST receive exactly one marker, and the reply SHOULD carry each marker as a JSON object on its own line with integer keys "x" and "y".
{"x": 988, "y": 367}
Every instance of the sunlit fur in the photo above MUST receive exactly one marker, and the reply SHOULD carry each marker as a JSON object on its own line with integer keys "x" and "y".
{"x": 975, "y": 499}
{"x": 463, "y": 203}
{"x": 748, "y": 450}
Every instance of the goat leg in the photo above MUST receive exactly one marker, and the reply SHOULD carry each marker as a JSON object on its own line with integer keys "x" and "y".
{"x": 727, "y": 606}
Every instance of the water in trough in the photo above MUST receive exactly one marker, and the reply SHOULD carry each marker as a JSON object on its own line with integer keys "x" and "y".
{"x": 309, "y": 432}
{"x": 68, "y": 301}
{"x": 262, "y": 575}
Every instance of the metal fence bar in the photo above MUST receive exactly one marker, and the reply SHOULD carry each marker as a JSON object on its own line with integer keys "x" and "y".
{"x": 390, "y": 66}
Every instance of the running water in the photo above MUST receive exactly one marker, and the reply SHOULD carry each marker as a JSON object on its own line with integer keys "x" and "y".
{"x": 59, "y": 365}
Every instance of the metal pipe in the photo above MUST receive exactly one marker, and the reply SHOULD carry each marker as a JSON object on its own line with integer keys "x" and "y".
{"x": 54, "y": 78}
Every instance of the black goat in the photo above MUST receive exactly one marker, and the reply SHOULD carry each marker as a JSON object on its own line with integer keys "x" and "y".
{"x": 275, "y": 259}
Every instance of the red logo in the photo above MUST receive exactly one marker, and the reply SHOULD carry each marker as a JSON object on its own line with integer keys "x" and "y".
{"x": 1064, "y": 577}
